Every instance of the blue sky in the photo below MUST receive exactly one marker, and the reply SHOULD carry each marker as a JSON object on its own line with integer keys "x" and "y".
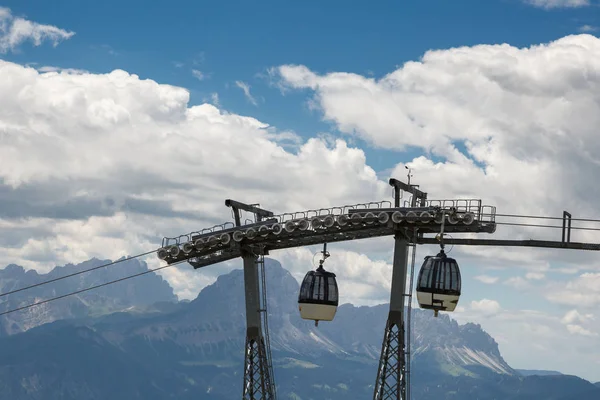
{"x": 230, "y": 44}
{"x": 233, "y": 41}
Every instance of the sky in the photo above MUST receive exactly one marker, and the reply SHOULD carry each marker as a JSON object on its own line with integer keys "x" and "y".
{"x": 124, "y": 122}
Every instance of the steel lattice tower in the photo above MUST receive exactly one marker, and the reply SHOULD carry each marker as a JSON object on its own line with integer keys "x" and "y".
{"x": 258, "y": 379}
{"x": 258, "y": 384}
{"x": 391, "y": 378}
{"x": 391, "y": 382}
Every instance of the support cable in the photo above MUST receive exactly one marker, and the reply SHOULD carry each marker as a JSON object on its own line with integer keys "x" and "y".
{"x": 153, "y": 251}
{"x": 77, "y": 273}
{"x": 89, "y": 288}
{"x": 539, "y": 217}
{"x": 156, "y": 269}
{"x": 581, "y": 228}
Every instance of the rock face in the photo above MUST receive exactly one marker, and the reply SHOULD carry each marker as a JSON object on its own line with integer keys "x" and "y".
{"x": 191, "y": 350}
{"x": 139, "y": 292}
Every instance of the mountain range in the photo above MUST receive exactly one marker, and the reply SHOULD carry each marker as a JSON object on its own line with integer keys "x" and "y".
{"x": 141, "y": 291}
{"x": 137, "y": 341}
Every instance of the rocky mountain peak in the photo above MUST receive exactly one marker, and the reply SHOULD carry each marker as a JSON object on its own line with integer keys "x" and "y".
{"x": 12, "y": 270}
{"x": 282, "y": 290}
{"x": 218, "y": 314}
{"x": 142, "y": 291}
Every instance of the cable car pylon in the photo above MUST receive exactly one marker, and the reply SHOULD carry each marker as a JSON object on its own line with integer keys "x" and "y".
{"x": 258, "y": 377}
{"x": 391, "y": 374}
{"x": 318, "y": 298}
{"x": 259, "y": 383}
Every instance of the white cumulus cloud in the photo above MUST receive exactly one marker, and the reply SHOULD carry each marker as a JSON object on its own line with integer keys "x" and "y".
{"x": 106, "y": 164}
{"x": 517, "y": 282}
{"x": 198, "y": 74}
{"x": 14, "y": 31}
{"x": 487, "y": 279}
{"x": 486, "y": 306}
{"x": 537, "y": 276}
{"x": 588, "y": 28}
{"x": 583, "y": 291}
{"x": 505, "y": 123}
{"x": 579, "y": 330}
{"x": 574, "y": 316}
{"x": 246, "y": 89}
{"x": 552, "y": 4}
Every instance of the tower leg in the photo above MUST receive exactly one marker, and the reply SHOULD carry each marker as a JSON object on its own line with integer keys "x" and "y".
{"x": 258, "y": 382}
{"x": 391, "y": 382}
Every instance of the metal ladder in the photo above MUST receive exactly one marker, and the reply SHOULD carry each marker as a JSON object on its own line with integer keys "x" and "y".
{"x": 260, "y": 263}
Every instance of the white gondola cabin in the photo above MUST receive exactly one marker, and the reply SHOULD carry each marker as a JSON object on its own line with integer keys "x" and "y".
{"x": 318, "y": 298}
{"x": 439, "y": 283}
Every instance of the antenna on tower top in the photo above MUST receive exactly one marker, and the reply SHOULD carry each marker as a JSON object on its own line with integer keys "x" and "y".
{"x": 409, "y": 174}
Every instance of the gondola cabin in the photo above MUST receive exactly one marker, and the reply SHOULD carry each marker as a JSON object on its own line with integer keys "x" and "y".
{"x": 439, "y": 283}
{"x": 318, "y": 297}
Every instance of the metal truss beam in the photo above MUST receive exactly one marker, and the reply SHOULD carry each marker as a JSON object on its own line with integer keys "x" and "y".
{"x": 546, "y": 244}
{"x": 214, "y": 258}
{"x": 217, "y": 257}
{"x": 271, "y": 234}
